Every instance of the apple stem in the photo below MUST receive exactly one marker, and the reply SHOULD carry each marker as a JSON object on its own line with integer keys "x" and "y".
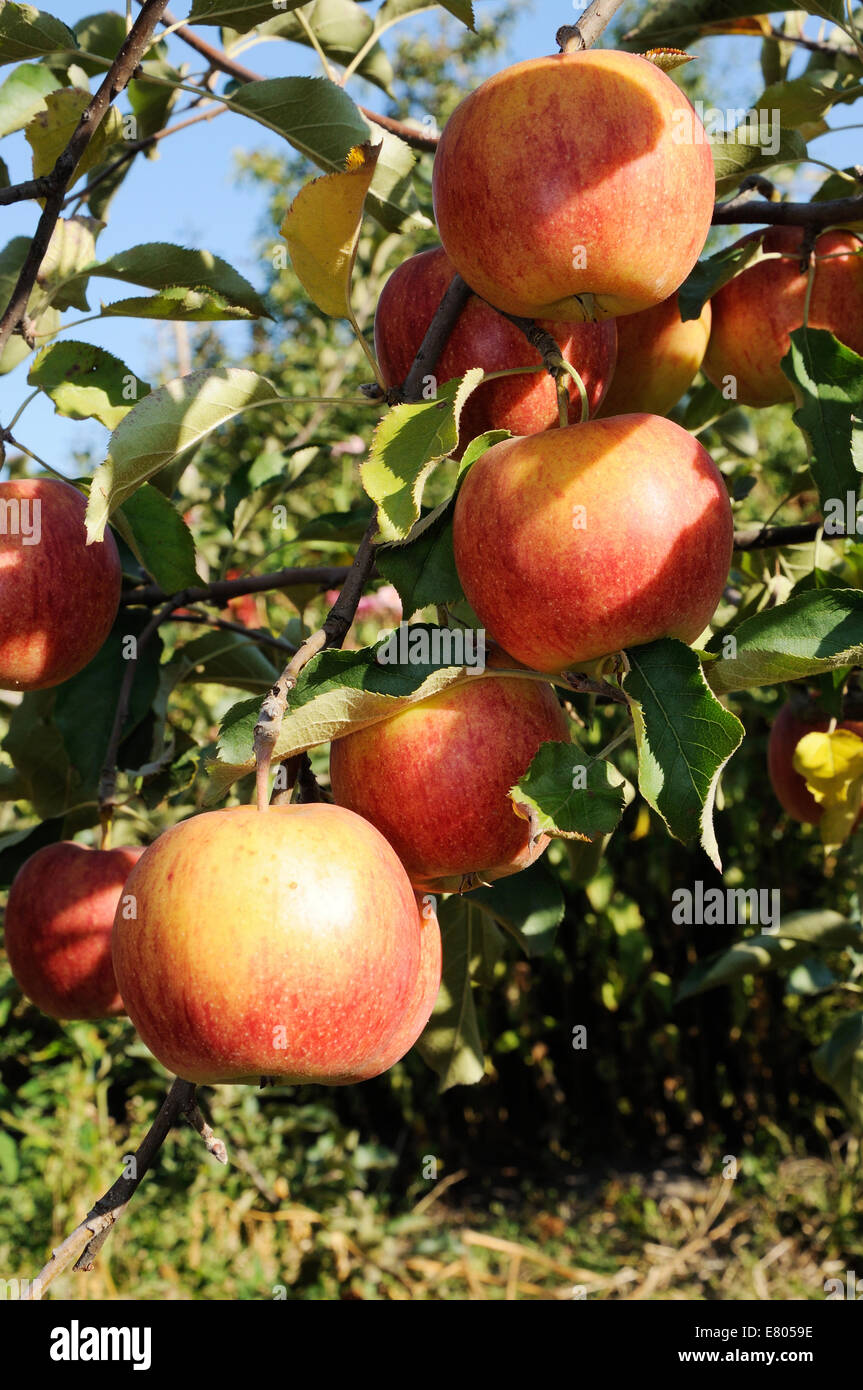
{"x": 106, "y": 820}
{"x": 572, "y": 38}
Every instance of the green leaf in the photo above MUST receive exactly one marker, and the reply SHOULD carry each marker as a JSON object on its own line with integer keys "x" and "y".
{"x": 827, "y": 378}
{"x": 177, "y": 304}
{"x": 409, "y": 441}
{"x": 812, "y": 633}
{"x": 35, "y": 746}
{"x": 568, "y": 793}
{"x": 341, "y": 27}
{"x": 102, "y": 35}
{"x": 839, "y": 1062}
{"x": 678, "y": 22}
{"x": 803, "y": 100}
{"x": 225, "y": 658}
{"x": 50, "y": 131}
{"x": 742, "y": 152}
{"x": 529, "y": 905}
{"x": 25, "y": 32}
{"x": 423, "y": 569}
{"x": 684, "y": 738}
{"x": 160, "y": 539}
{"x": 791, "y": 944}
{"x": 86, "y": 383}
{"x": 160, "y": 265}
{"x": 63, "y": 274}
{"x": 164, "y": 425}
{"x": 451, "y": 1043}
{"x": 810, "y": 977}
{"x": 393, "y": 10}
{"x": 20, "y": 845}
{"x": 711, "y": 274}
{"x": 23, "y": 93}
{"x": 9, "y": 1165}
{"x": 241, "y": 15}
{"x": 339, "y": 527}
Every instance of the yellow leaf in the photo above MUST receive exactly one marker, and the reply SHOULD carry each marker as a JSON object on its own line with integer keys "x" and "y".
{"x": 753, "y": 24}
{"x": 832, "y": 767}
{"x": 322, "y": 229}
{"x": 50, "y": 131}
{"x": 668, "y": 58}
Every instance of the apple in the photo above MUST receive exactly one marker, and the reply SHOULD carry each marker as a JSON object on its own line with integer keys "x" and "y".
{"x": 578, "y": 542}
{"x": 435, "y": 778}
{"x": 285, "y": 944}
{"x": 755, "y": 313}
{"x": 425, "y": 991}
{"x": 483, "y": 338}
{"x": 58, "y": 596}
{"x": 786, "y": 732}
{"x": 658, "y": 354}
{"x": 574, "y": 187}
{"x": 58, "y": 928}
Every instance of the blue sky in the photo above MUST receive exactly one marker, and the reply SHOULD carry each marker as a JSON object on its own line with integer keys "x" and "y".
{"x": 190, "y": 195}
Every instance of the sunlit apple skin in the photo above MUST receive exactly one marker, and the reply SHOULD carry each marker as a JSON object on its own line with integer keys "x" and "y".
{"x": 790, "y": 788}
{"x": 58, "y": 928}
{"x": 755, "y": 313}
{"x": 435, "y": 778}
{"x": 579, "y": 174}
{"x": 483, "y": 338}
{"x": 283, "y": 944}
{"x": 576, "y": 543}
{"x": 59, "y": 597}
{"x": 426, "y": 988}
{"x": 658, "y": 355}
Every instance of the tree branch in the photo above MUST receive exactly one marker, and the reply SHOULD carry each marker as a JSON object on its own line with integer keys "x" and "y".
{"x": 108, "y": 776}
{"x": 445, "y": 318}
{"x": 118, "y": 76}
{"x": 747, "y": 207}
{"x": 222, "y": 590}
{"x": 572, "y": 38}
{"x": 766, "y": 537}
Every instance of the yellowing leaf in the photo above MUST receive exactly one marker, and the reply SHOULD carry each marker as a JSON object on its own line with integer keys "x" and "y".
{"x": 322, "y": 229}
{"x": 50, "y": 131}
{"x": 832, "y": 766}
{"x": 668, "y": 58}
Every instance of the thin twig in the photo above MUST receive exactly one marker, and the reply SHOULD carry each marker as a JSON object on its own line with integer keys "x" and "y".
{"x": 222, "y": 590}
{"x": 766, "y": 537}
{"x": 265, "y": 639}
{"x": 108, "y": 777}
{"x": 117, "y": 78}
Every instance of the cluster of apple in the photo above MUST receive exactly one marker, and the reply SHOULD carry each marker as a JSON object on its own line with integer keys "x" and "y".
{"x": 303, "y": 944}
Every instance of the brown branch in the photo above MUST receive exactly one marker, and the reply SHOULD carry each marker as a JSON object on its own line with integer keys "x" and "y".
{"x": 265, "y": 639}
{"x": 445, "y": 318}
{"x": 84, "y": 1242}
{"x": 119, "y": 74}
{"x": 572, "y": 38}
{"x": 746, "y": 207}
{"x": 108, "y": 776}
{"x": 221, "y": 590}
{"x": 766, "y": 537}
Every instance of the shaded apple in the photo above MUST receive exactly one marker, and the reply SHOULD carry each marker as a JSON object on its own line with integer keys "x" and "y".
{"x": 658, "y": 355}
{"x": 58, "y": 928}
{"x": 435, "y": 778}
{"x": 791, "y": 791}
{"x": 425, "y": 991}
{"x": 58, "y": 596}
{"x": 576, "y": 543}
{"x": 755, "y": 313}
{"x": 283, "y": 944}
{"x": 483, "y": 338}
{"x": 575, "y": 186}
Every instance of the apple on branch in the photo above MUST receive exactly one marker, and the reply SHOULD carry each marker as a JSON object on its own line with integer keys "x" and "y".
{"x": 658, "y": 355}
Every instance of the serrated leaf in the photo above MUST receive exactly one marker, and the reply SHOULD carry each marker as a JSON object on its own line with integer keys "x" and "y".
{"x": 86, "y": 383}
{"x": 568, "y": 793}
{"x": 684, "y": 738}
{"x": 161, "y": 539}
{"x": 179, "y": 305}
{"x": 341, "y": 28}
{"x": 839, "y": 1062}
{"x": 423, "y": 569}
{"x": 241, "y": 15}
{"x": 322, "y": 229}
{"x": 743, "y": 151}
{"x": 161, "y": 265}
{"x": 393, "y": 10}
{"x": 164, "y": 425}
{"x": 812, "y": 633}
{"x": 827, "y": 379}
{"x": 224, "y": 658}
{"x": 529, "y": 905}
{"x": 802, "y": 100}
{"x": 793, "y": 942}
{"x": 26, "y": 32}
{"x": 407, "y": 444}
{"x": 23, "y": 93}
{"x": 712, "y": 273}
{"x": 667, "y": 59}
{"x": 337, "y": 692}
{"x": 50, "y": 131}
{"x": 62, "y": 279}
{"x": 451, "y": 1043}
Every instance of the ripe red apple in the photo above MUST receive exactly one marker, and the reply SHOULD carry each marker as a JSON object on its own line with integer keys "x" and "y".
{"x": 58, "y": 596}
{"x": 284, "y": 944}
{"x": 58, "y": 928}
{"x": 575, "y": 543}
{"x": 658, "y": 354}
{"x": 791, "y": 791}
{"x": 573, "y": 187}
{"x": 483, "y": 338}
{"x": 425, "y": 991}
{"x": 755, "y": 313}
{"x": 435, "y": 778}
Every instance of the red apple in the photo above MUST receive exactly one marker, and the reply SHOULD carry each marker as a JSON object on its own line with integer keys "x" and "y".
{"x": 483, "y": 338}
{"x": 58, "y": 596}
{"x": 658, "y": 354}
{"x": 755, "y": 313}
{"x": 574, "y": 187}
{"x": 581, "y": 541}
{"x": 425, "y": 991}
{"x": 435, "y": 778}
{"x": 284, "y": 944}
{"x": 791, "y": 791}
{"x": 58, "y": 928}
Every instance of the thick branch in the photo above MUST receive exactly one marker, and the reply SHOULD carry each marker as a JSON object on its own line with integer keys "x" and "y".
{"x": 82, "y": 1245}
{"x": 115, "y": 81}
{"x": 746, "y": 207}
{"x": 444, "y": 321}
{"x": 572, "y": 38}
{"x": 766, "y": 537}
